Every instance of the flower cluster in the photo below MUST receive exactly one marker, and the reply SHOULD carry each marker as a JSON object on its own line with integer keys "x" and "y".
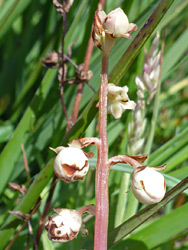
{"x": 107, "y": 28}
{"x": 148, "y": 82}
{"x": 71, "y": 163}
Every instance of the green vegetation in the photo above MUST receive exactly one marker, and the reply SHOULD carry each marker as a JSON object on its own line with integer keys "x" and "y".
{"x": 32, "y": 115}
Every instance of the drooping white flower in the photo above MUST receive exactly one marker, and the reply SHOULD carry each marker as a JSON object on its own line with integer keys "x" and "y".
{"x": 117, "y": 24}
{"x": 118, "y": 100}
{"x": 71, "y": 163}
{"x": 148, "y": 185}
{"x": 64, "y": 225}
{"x": 108, "y": 28}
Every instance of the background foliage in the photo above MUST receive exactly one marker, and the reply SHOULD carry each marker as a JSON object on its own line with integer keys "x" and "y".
{"x": 31, "y": 114}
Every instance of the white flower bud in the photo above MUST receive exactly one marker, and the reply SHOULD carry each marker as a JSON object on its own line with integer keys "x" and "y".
{"x": 148, "y": 185}
{"x": 116, "y": 23}
{"x": 108, "y": 28}
{"x": 64, "y": 225}
{"x": 71, "y": 164}
{"x": 118, "y": 100}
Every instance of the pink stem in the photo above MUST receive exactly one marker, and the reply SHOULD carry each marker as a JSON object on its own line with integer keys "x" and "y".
{"x": 102, "y": 169}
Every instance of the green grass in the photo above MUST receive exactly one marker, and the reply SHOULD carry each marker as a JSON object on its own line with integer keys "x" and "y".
{"x": 31, "y": 114}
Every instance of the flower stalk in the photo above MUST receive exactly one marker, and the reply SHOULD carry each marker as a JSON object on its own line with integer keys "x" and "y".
{"x": 106, "y": 30}
{"x": 102, "y": 170}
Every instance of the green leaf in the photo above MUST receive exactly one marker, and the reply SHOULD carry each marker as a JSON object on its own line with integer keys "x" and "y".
{"x": 173, "y": 55}
{"x": 26, "y": 204}
{"x": 142, "y": 36}
{"x": 176, "y": 146}
{"x": 12, "y": 150}
{"x": 6, "y": 129}
{"x": 158, "y": 232}
{"x": 10, "y": 13}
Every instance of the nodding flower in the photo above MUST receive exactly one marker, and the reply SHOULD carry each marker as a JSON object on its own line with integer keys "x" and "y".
{"x": 118, "y": 100}
{"x": 108, "y": 28}
{"x": 148, "y": 185}
{"x": 71, "y": 163}
{"x": 64, "y": 225}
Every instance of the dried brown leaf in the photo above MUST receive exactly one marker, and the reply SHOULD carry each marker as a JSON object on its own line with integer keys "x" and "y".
{"x": 17, "y": 187}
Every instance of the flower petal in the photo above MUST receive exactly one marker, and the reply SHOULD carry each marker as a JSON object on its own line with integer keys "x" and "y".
{"x": 127, "y": 35}
{"x": 128, "y": 105}
{"x": 116, "y": 110}
{"x": 132, "y": 27}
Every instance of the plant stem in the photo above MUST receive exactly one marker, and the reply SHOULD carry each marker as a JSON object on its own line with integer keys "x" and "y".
{"x": 122, "y": 199}
{"x": 77, "y": 101}
{"x": 87, "y": 58}
{"x": 102, "y": 169}
{"x": 22, "y": 227}
{"x": 26, "y": 164}
{"x": 46, "y": 210}
{"x": 64, "y": 16}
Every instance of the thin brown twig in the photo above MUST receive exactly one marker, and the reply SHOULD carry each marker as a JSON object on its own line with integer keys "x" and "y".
{"x": 78, "y": 97}
{"x": 87, "y": 58}
{"x": 54, "y": 181}
{"x": 26, "y": 164}
{"x": 29, "y": 217}
{"x": 68, "y": 59}
{"x": 62, "y": 101}
{"x": 31, "y": 233}
{"x": 22, "y": 227}
{"x": 27, "y": 241}
{"x": 46, "y": 209}
{"x": 64, "y": 16}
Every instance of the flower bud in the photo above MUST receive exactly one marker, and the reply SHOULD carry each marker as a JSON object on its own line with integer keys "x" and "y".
{"x": 51, "y": 61}
{"x": 148, "y": 185}
{"x": 118, "y": 100}
{"x": 71, "y": 163}
{"x": 64, "y": 225}
{"x": 116, "y": 23}
{"x": 108, "y": 28}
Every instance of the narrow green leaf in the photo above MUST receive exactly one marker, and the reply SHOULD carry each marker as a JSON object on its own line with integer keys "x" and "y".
{"x": 169, "y": 149}
{"x": 12, "y": 150}
{"x": 133, "y": 50}
{"x": 6, "y": 129}
{"x": 177, "y": 221}
{"x": 179, "y": 47}
{"x": 177, "y": 158}
{"x": 17, "y": 7}
{"x": 26, "y": 204}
